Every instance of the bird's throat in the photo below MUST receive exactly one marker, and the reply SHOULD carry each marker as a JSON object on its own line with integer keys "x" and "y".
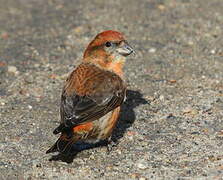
{"x": 116, "y": 67}
{"x": 113, "y": 64}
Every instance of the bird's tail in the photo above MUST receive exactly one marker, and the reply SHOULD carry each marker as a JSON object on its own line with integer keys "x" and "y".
{"x": 62, "y": 145}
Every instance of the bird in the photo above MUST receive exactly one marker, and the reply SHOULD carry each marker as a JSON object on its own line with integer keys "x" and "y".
{"x": 93, "y": 93}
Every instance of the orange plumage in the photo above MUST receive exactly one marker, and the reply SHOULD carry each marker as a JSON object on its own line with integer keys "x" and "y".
{"x": 93, "y": 93}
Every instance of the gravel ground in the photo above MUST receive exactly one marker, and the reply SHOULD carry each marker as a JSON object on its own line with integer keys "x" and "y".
{"x": 171, "y": 126}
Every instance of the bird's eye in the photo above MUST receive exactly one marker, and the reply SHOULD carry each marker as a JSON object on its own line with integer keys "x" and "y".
{"x": 108, "y": 44}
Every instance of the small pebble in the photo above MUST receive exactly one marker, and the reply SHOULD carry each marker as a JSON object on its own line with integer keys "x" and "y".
{"x": 142, "y": 165}
{"x": 142, "y": 178}
{"x": 2, "y": 63}
{"x": 172, "y": 81}
{"x": 36, "y": 65}
{"x": 13, "y": 69}
{"x": 220, "y": 133}
{"x": 190, "y": 111}
{"x": 152, "y": 50}
{"x": 29, "y": 79}
{"x": 161, "y": 7}
{"x": 135, "y": 175}
{"x": 190, "y": 42}
{"x": 161, "y": 98}
{"x": 78, "y": 29}
{"x": 2, "y": 103}
{"x": 4, "y": 35}
{"x": 213, "y": 51}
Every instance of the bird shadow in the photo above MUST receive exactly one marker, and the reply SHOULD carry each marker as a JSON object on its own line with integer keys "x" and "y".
{"x": 126, "y": 119}
{"x": 127, "y": 115}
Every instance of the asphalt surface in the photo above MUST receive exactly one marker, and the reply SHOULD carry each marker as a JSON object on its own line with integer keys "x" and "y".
{"x": 171, "y": 126}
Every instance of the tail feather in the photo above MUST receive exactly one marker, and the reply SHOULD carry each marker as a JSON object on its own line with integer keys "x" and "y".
{"x": 52, "y": 149}
{"x": 63, "y": 129}
{"x": 59, "y": 129}
{"x": 62, "y": 145}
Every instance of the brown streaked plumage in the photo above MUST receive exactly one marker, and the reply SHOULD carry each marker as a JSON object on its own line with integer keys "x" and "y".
{"x": 93, "y": 93}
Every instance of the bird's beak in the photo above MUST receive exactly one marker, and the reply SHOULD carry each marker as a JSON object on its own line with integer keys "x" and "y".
{"x": 125, "y": 49}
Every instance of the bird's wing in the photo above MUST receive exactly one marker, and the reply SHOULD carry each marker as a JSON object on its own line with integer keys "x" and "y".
{"x": 89, "y": 93}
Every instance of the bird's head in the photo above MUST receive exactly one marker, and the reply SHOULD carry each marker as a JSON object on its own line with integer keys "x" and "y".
{"x": 108, "y": 49}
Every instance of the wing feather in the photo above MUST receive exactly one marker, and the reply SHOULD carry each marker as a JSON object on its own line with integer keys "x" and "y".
{"x": 86, "y": 99}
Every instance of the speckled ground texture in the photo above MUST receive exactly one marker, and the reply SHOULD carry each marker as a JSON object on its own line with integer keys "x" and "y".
{"x": 171, "y": 126}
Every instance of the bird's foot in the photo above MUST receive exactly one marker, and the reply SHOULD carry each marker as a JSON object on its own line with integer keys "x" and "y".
{"x": 111, "y": 144}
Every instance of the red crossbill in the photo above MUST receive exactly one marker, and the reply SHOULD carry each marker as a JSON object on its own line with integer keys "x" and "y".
{"x": 93, "y": 93}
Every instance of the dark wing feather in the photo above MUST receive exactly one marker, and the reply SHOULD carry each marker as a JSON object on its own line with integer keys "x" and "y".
{"x": 89, "y": 94}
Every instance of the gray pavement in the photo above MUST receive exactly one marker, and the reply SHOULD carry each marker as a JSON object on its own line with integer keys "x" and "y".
{"x": 171, "y": 126}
